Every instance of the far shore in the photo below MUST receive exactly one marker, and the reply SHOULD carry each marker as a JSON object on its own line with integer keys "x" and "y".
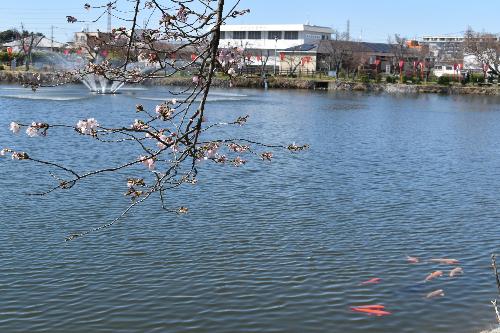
{"x": 20, "y": 77}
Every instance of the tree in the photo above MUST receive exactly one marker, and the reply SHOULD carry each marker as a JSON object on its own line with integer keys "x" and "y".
{"x": 399, "y": 49}
{"x": 336, "y": 53}
{"x": 485, "y": 47}
{"x": 175, "y": 137}
{"x": 9, "y": 36}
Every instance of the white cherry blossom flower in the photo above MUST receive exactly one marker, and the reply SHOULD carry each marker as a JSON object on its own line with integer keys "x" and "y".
{"x": 15, "y": 127}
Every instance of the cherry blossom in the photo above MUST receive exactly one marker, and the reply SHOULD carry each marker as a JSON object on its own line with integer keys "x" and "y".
{"x": 32, "y": 131}
{"x": 88, "y": 126}
{"x": 139, "y": 125}
{"x": 165, "y": 140}
{"x": 148, "y": 162}
{"x": 164, "y": 111}
{"x": 15, "y": 127}
{"x": 266, "y": 156}
{"x": 19, "y": 156}
{"x": 238, "y": 161}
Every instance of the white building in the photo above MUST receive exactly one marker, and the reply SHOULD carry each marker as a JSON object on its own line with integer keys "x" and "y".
{"x": 266, "y": 39}
{"x": 271, "y": 36}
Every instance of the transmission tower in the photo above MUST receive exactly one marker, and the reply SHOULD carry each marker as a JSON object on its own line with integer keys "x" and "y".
{"x": 110, "y": 6}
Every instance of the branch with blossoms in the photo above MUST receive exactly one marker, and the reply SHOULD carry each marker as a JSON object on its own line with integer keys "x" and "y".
{"x": 171, "y": 140}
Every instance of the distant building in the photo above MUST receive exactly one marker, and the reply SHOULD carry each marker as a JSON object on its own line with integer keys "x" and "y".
{"x": 40, "y": 43}
{"x": 318, "y": 56}
{"x": 265, "y": 40}
{"x": 445, "y": 49}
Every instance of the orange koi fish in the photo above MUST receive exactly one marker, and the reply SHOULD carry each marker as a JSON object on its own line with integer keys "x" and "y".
{"x": 434, "y": 275}
{"x": 371, "y": 311}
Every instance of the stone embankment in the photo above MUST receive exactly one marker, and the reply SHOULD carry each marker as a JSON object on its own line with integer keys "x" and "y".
{"x": 282, "y": 83}
{"x": 21, "y": 77}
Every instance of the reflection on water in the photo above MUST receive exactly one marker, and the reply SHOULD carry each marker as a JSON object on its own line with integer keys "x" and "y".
{"x": 279, "y": 247}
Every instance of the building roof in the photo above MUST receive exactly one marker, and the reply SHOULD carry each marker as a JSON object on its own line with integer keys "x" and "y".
{"x": 276, "y": 27}
{"x": 303, "y": 48}
{"x": 325, "y": 46}
{"x": 39, "y": 42}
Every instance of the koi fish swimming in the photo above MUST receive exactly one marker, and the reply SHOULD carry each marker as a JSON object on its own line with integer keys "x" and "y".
{"x": 372, "y": 281}
{"x": 456, "y": 271}
{"x": 436, "y": 293}
{"x": 412, "y": 260}
{"x": 445, "y": 261}
{"x": 375, "y": 310}
{"x": 434, "y": 275}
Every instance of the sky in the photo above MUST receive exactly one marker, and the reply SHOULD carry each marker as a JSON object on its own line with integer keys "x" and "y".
{"x": 370, "y": 21}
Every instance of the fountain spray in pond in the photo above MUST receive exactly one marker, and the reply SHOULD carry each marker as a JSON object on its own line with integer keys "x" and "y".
{"x": 101, "y": 85}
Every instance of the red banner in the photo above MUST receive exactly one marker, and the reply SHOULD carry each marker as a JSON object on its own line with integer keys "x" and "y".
{"x": 401, "y": 64}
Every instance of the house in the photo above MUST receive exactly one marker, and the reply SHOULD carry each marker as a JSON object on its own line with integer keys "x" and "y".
{"x": 40, "y": 43}
{"x": 334, "y": 55}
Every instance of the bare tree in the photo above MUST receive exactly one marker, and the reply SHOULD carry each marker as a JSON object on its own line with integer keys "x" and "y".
{"x": 29, "y": 41}
{"x": 336, "y": 53}
{"x": 175, "y": 137}
{"x": 399, "y": 49}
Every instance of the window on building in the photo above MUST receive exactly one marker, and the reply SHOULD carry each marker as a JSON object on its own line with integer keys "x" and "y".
{"x": 274, "y": 35}
{"x": 254, "y": 35}
{"x": 239, "y": 35}
{"x": 449, "y": 68}
{"x": 291, "y": 35}
{"x": 222, "y": 35}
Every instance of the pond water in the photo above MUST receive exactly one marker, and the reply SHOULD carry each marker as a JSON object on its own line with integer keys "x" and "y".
{"x": 268, "y": 247}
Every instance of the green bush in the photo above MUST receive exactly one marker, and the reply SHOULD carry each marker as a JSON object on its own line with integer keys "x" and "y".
{"x": 444, "y": 80}
{"x": 378, "y": 78}
{"x": 477, "y": 78}
{"x": 364, "y": 78}
{"x": 391, "y": 79}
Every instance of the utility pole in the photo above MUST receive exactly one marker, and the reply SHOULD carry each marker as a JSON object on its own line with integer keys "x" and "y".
{"x": 51, "y": 38}
{"x": 110, "y": 5}
{"x": 348, "y": 30}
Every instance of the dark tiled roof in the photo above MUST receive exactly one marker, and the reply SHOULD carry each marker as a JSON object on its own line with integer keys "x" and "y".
{"x": 303, "y": 48}
{"x": 325, "y": 46}
{"x": 377, "y": 47}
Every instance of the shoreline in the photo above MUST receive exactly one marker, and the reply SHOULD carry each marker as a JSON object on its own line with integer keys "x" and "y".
{"x": 286, "y": 83}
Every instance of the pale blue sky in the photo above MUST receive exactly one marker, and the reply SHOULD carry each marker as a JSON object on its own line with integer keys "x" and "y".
{"x": 370, "y": 20}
